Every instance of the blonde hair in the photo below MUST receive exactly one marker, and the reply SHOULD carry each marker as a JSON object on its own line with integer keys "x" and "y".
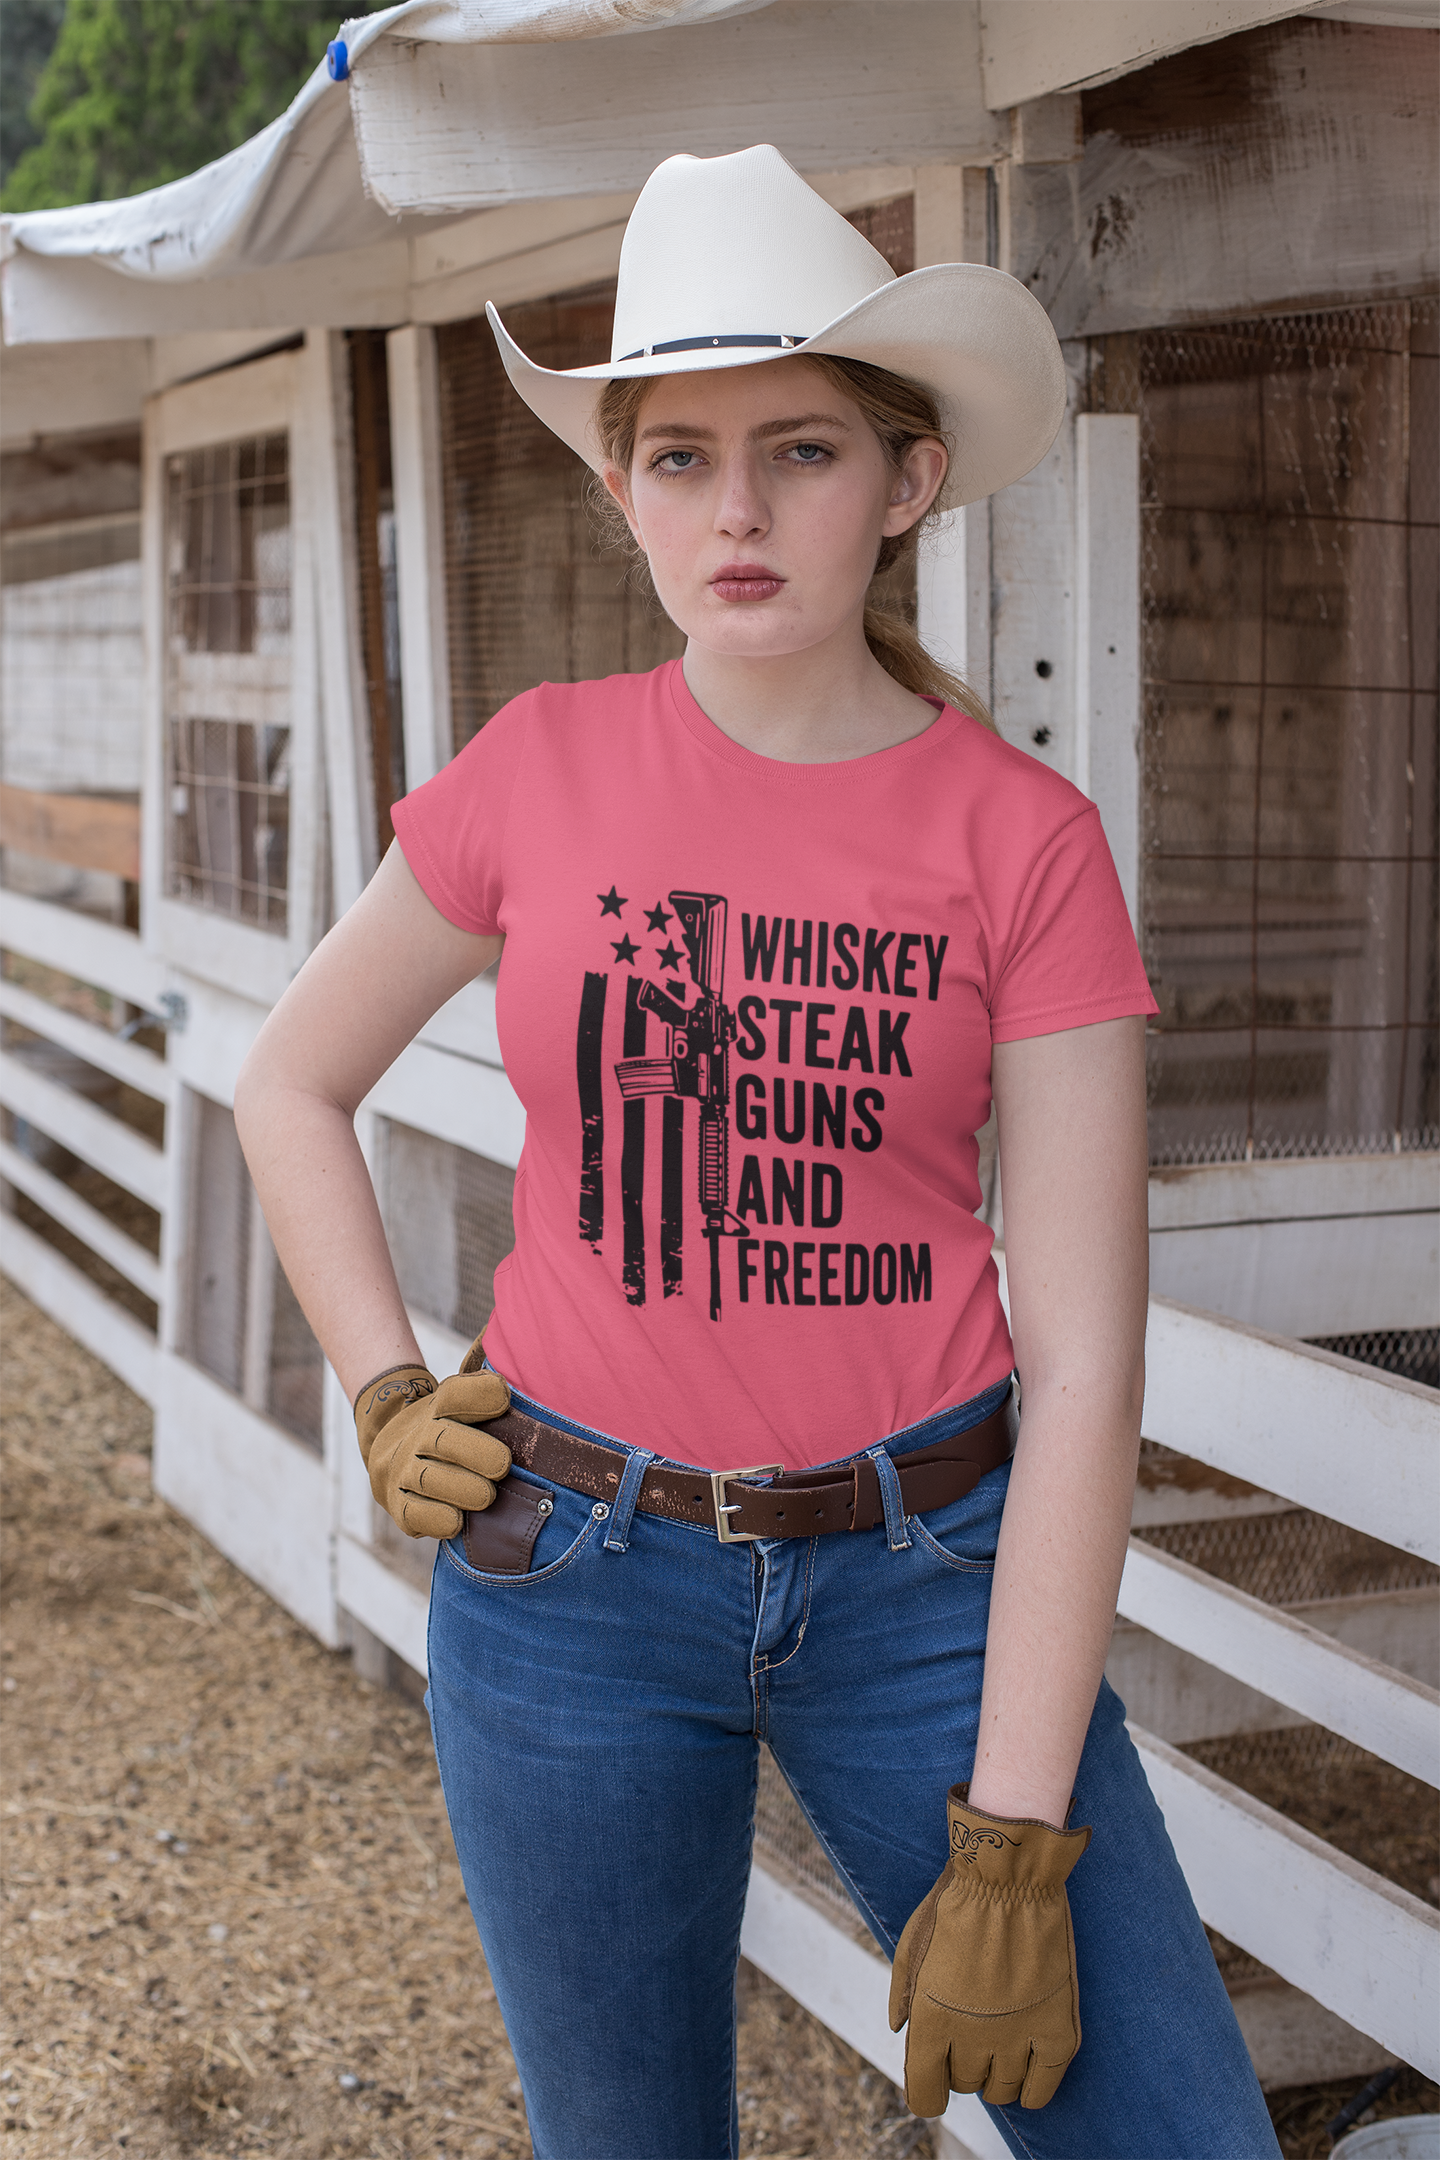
{"x": 900, "y": 412}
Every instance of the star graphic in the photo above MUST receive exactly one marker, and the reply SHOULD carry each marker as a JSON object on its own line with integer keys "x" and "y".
{"x": 669, "y": 958}
{"x": 610, "y": 902}
{"x": 657, "y": 918}
{"x": 625, "y": 951}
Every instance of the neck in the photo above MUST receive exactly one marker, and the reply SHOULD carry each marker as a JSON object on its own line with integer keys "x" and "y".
{"x": 815, "y": 707}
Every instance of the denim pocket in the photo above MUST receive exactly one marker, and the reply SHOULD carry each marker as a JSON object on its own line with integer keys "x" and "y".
{"x": 568, "y": 1529}
{"x": 964, "y": 1535}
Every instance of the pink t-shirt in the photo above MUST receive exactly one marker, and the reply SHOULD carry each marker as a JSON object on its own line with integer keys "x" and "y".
{"x": 748, "y": 1006}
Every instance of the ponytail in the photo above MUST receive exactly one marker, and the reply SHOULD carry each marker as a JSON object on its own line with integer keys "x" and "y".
{"x": 899, "y": 651}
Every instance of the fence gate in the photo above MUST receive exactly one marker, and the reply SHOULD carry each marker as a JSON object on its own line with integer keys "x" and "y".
{"x": 235, "y": 888}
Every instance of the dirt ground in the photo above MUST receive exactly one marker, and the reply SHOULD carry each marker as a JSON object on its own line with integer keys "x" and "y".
{"x": 232, "y": 1918}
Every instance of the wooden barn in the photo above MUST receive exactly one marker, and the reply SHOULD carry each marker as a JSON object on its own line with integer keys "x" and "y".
{"x": 278, "y": 539}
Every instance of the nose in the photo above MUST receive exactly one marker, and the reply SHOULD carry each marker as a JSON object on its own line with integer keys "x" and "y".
{"x": 742, "y": 511}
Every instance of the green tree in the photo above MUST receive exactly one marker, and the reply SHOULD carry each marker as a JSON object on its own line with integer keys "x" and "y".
{"x": 28, "y": 30}
{"x": 137, "y": 92}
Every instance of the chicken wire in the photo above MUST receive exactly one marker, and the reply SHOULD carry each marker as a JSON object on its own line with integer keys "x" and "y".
{"x": 1289, "y": 578}
{"x": 1413, "y": 1353}
{"x": 228, "y": 565}
{"x": 1291, "y": 1558}
{"x": 448, "y": 1216}
{"x": 531, "y": 594}
{"x": 241, "y": 1322}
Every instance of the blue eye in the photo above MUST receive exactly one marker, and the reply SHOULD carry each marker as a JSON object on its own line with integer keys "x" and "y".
{"x": 809, "y": 451}
{"x": 674, "y": 461}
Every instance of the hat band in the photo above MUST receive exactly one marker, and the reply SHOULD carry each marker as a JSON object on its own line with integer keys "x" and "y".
{"x": 699, "y": 344}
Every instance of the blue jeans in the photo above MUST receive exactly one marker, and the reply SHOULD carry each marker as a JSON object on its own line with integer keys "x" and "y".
{"x": 598, "y": 1724}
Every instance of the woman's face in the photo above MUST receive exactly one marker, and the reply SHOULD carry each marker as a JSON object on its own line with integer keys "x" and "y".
{"x": 760, "y": 496}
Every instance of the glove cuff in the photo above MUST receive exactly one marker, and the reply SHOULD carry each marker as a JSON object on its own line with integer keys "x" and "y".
{"x": 381, "y": 1398}
{"x": 1017, "y": 1851}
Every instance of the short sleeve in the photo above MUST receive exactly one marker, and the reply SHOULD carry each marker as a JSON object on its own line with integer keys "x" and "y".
{"x": 1070, "y": 958}
{"x": 452, "y": 830}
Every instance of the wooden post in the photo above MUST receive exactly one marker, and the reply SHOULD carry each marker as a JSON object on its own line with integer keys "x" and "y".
{"x": 323, "y": 441}
{"x": 954, "y": 567}
{"x": 419, "y": 550}
{"x": 1107, "y": 633}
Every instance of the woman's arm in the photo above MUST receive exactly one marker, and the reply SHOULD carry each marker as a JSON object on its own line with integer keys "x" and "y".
{"x": 363, "y": 994}
{"x": 1071, "y": 1114}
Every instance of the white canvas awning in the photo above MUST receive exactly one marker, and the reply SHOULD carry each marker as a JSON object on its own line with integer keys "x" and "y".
{"x": 453, "y": 107}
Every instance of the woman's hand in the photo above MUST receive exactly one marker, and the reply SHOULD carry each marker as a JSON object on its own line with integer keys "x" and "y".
{"x": 1073, "y": 1166}
{"x": 364, "y": 993}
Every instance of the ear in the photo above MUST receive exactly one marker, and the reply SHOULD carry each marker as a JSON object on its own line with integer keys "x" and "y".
{"x": 918, "y": 482}
{"x": 617, "y": 485}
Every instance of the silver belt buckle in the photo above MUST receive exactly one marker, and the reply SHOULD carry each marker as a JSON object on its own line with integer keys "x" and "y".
{"x": 719, "y": 1479}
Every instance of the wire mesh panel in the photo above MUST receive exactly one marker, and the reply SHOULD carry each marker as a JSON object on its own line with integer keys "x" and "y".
{"x": 1289, "y": 500}
{"x": 242, "y": 1322}
{"x": 448, "y": 1216}
{"x": 530, "y": 595}
{"x": 74, "y": 660}
{"x": 228, "y": 560}
{"x": 1413, "y": 1353}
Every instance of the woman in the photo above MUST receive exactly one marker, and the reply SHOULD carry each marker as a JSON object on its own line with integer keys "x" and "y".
{"x": 778, "y": 921}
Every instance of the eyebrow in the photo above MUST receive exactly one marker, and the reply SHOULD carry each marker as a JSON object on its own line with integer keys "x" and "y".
{"x": 758, "y": 434}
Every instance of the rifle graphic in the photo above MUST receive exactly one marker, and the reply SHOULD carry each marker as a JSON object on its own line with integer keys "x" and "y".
{"x": 696, "y": 1061}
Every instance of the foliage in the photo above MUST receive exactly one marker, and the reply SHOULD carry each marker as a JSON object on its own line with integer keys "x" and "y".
{"x": 28, "y": 29}
{"x": 137, "y": 92}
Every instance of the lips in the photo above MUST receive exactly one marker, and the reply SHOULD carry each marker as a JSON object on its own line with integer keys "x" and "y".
{"x": 742, "y": 581}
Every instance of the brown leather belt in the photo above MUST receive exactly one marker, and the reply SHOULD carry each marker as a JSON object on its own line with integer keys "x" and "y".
{"x": 800, "y": 1503}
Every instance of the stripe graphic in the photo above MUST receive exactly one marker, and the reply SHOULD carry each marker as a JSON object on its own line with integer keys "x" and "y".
{"x": 672, "y": 1200}
{"x": 592, "y": 1110}
{"x": 632, "y": 1157}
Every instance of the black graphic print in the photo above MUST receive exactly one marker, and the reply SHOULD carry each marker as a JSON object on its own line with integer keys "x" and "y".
{"x": 676, "y": 1043}
{"x": 692, "y": 1064}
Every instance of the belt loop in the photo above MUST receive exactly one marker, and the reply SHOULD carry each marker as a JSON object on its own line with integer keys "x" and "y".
{"x": 617, "y": 1537}
{"x": 896, "y": 1534}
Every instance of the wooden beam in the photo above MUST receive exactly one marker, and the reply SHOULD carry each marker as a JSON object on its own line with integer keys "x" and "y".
{"x": 415, "y": 460}
{"x": 1291, "y": 168}
{"x": 126, "y": 1061}
{"x": 1327, "y": 1682}
{"x": 469, "y": 1104}
{"x": 75, "y": 1303}
{"x": 1107, "y": 633}
{"x": 93, "y": 1135}
{"x": 1359, "y": 1445}
{"x": 862, "y": 82}
{"x": 1357, "y": 1943}
{"x": 80, "y": 945}
{"x": 83, "y": 1221}
{"x": 88, "y": 832}
{"x": 1032, "y": 48}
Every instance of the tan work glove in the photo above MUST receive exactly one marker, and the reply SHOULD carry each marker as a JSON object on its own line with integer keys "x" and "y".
{"x": 427, "y": 1462}
{"x": 985, "y": 1970}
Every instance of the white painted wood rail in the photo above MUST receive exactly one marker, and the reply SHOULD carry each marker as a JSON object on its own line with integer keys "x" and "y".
{"x": 65, "y": 1206}
{"x": 98, "y": 1139}
{"x": 1359, "y": 1445}
{"x": 1363, "y": 1947}
{"x": 1330, "y": 1683}
{"x": 98, "y": 1046}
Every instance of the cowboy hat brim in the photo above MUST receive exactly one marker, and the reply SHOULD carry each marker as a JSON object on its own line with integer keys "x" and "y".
{"x": 976, "y": 337}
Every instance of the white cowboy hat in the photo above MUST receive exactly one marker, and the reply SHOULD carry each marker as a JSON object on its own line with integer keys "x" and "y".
{"x": 732, "y": 260}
